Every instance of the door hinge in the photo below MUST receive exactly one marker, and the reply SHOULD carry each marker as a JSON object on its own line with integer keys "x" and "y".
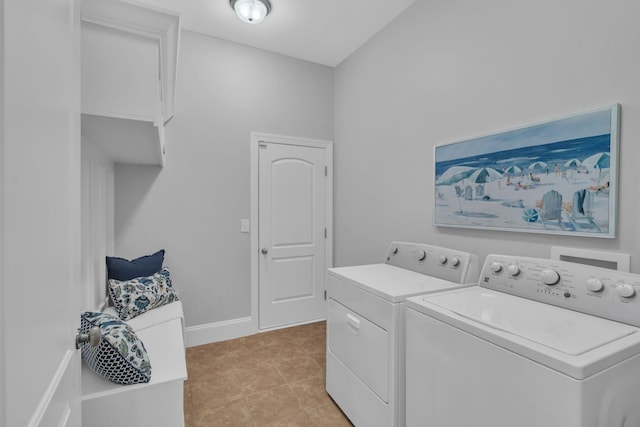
{"x": 325, "y": 233}
{"x": 326, "y": 173}
{"x": 325, "y": 294}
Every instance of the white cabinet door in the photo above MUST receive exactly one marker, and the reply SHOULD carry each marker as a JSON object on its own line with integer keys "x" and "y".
{"x": 119, "y": 74}
{"x": 40, "y": 202}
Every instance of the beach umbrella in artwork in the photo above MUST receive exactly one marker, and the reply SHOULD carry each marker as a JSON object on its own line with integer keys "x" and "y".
{"x": 484, "y": 175}
{"x": 480, "y": 176}
{"x": 512, "y": 170}
{"x": 597, "y": 161}
{"x": 537, "y": 166}
{"x": 455, "y": 174}
{"x": 573, "y": 163}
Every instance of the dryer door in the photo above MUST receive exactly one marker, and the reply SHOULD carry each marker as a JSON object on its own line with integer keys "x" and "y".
{"x": 361, "y": 345}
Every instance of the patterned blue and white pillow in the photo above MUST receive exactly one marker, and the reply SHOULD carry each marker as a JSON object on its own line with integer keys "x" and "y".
{"x": 133, "y": 297}
{"x": 120, "y": 356}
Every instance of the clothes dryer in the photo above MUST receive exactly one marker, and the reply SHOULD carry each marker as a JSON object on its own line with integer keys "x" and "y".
{"x": 539, "y": 343}
{"x": 365, "y": 325}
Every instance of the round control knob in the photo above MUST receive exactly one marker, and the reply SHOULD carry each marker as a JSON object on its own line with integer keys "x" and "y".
{"x": 513, "y": 270}
{"x": 496, "y": 267}
{"x": 594, "y": 285}
{"x": 455, "y": 261}
{"x": 443, "y": 259}
{"x": 394, "y": 250}
{"x": 421, "y": 255}
{"x": 625, "y": 291}
{"x": 549, "y": 277}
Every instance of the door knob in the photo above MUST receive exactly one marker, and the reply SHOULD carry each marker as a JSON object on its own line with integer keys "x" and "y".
{"x": 265, "y": 251}
{"x": 93, "y": 337}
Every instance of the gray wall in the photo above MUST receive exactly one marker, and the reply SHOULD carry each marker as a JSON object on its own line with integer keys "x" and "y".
{"x": 193, "y": 206}
{"x": 451, "y": 70}
{"x": 441, "y": 72}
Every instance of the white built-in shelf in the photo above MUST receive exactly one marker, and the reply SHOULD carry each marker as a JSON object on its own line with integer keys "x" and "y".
{"x": 125, "y": 140}
{"x": 129, "y": 64}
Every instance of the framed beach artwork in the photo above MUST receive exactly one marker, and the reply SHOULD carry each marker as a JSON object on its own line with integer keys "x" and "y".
{"x": 557, "y": 177}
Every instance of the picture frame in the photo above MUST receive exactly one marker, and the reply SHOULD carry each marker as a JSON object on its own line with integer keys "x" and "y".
{"x": 556, "y": 177}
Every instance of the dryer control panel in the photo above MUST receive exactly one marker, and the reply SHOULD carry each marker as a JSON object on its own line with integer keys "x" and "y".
{"x": 610, "y": 294}
{"x": 443, "y": 263}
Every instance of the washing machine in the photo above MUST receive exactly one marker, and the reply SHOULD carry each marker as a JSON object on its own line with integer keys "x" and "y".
{"x": 539, "y": 343}
{"x": 365, "y": 325}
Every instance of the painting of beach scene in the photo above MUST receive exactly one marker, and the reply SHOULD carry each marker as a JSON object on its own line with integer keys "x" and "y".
{"x": 557, "y": 177}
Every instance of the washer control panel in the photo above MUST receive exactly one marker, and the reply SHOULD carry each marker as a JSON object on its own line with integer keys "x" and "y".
{"x": 443, "y": 263}
{"x": 592, "y": 290}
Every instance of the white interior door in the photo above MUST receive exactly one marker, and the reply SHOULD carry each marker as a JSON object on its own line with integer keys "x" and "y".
{"x": 40, "y": 201}
{"x": 292, "y": 232}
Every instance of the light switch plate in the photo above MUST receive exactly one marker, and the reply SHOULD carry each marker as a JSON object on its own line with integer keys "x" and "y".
{"x": 244, "y": 226}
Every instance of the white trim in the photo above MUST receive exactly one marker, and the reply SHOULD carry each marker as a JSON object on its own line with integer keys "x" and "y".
{"x": 291, "y": 325}
{"x": 43, "y": 406}
{"x": 228, "y": 330}
{"x": 291, "y": 140}
{"x": 97, "y": 211}
{"x": 116, "y": 115}
{"x": 255, "y": 240}
{"x": 256, "y": 139}
{"x": 219, "y": 331}
{"x": 3, "y": 301}
{"x": 66, "y": 415}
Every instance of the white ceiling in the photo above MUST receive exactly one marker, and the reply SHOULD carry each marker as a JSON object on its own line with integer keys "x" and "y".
{"x": 321, "y": 31}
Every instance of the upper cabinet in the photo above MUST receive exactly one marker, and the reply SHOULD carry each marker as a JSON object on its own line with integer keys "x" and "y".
{"x": 129, "y": 62}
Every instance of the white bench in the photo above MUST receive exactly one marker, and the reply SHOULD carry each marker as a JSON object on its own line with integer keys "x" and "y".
{"x": 156, "y": 403}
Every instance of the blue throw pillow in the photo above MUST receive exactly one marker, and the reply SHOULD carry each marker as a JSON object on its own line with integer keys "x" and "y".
{"x": 123, "y": 269}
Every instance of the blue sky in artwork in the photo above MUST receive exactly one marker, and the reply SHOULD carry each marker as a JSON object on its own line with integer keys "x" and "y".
{"x": 580, "y": 126}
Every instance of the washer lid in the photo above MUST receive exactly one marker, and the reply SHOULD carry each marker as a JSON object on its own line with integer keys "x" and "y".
{"x": 391, "y": 283}
{"x": 575, "y": 343}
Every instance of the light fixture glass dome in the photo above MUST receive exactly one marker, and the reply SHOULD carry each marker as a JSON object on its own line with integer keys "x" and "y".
{"x": 251, "y": 11}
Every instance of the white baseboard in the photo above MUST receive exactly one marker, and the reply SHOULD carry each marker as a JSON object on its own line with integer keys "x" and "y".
{"x": 219, "y": 331}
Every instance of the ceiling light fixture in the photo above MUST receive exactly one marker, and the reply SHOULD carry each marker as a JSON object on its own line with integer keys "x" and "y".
{"x": 251, "y": 11}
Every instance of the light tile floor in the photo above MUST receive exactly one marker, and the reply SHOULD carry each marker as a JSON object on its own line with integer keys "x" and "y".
{"x": 274, "y": 378}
